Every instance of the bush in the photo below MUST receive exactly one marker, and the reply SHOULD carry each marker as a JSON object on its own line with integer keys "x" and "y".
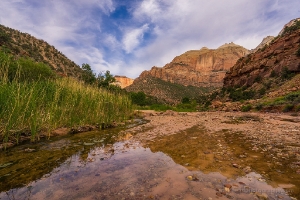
{"x": 257, "y": 79}
{"x": 246, "y": 108}
{"x": 259, "y": 106}
{"x": 286, "y": 74}
{"x": 24, "y": 69}
{"x": 238, "y": 94}
{"x": 138, "y": 98}
{"x": 161, "y": 107}
{"x": 273, "y": 73}
{"x": 291, "y": 29}
{"x": 288, "y": 108}
{"x": 185, "y": 100}
{"x": 262, "y": 91}
{"x": 297, "y": 109}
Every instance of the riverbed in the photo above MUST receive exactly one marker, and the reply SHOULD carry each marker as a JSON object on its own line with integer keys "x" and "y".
{"x": 172, "y": 156}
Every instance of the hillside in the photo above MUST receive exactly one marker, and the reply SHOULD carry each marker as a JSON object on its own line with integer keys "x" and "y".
{"x": 270, "y": 76}
{"x": 164, "y": 91}
{"x": 25, "y": 45}
{"x": 204, "y": 68}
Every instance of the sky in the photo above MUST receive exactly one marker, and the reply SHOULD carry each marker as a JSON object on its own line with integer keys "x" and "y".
{"x": 127, "y": 37}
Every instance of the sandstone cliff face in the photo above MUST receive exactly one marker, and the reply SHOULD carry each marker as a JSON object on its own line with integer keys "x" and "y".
{"x": 266, "y": 41}
{"x": 280, "y": 54}
{"x": 291, "y": 23}
{"x": 200, "y": 68}
{"x": 123, "y": 81}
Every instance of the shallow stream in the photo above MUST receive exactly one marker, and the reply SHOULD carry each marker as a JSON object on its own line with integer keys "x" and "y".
{"x": 110, "y": 165}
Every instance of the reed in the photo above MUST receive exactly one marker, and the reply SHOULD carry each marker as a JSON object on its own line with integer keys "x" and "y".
{"x": 46, "y": 104}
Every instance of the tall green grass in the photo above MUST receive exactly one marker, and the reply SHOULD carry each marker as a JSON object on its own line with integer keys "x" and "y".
{"x": 40, "y": 104}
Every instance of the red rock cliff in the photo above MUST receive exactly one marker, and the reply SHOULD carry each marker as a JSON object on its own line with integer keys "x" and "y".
{"x": 201, "y": 68}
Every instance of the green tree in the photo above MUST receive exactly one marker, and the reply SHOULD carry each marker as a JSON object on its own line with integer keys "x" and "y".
{"x": 138, "y": 98}
{"x": 105, "y": 80}
{"x": 88, "y": 75}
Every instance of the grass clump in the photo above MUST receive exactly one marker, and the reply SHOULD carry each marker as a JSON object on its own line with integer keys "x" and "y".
{"x": 246, "y": 108}
{"x": 42, "y": 102}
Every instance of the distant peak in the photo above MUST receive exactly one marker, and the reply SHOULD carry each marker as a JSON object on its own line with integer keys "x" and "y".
{"x": 204, "y": 48}
{"x": 231, "y": 44}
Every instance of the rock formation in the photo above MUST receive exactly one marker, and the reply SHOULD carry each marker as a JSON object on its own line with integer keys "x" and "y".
{"x": 200, "y": 68}
{"x": 281, "y": 54}
{"x": 266, "y": 41}
{"x": 123, "y": 81}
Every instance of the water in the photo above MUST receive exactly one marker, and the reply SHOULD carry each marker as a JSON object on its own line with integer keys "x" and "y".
{"x": 110, "y": 165}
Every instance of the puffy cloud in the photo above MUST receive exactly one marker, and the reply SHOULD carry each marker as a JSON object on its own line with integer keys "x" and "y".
{"x": 132, "y": 38}
{"x": 154, "y": 31}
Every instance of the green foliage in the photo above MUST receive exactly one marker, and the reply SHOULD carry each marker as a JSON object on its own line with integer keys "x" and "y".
{"x": 297, "y": 108}
{"x": 24, "y": 69}
{"x": 88, "y": 75}
{"x": 286, "y": 74}
{"x": 292, "y": 28}
{"x": 246, "y": 108}
{"x": 293, "y": 97}
{"x": 238, "y": 94}
{"x": 259, "y": 107}
{"x": 105, "y": 80}
{"x": 186, "y": 107}
{"x": 257, "y": 79}
{"x": 273, "y": 74}
{"x": 262, "y": 91}
{"x": 264, "y": 48}
{"x": 288, "y": 108}
{"x": 185, "y": 100}
{"x": 138, "y": 98}
{"x": 4, "y": 37}
{"x": 47, "y": 104}
{"x": 161, "y": 107}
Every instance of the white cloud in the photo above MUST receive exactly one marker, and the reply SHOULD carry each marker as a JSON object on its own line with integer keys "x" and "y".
{"x": 78, "y": 29}
{"x": 133, "y": 37}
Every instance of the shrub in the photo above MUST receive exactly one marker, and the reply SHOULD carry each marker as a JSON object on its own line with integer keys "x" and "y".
{"x": 262, "y": 91}
{"x": 259, "y": 106}
{"x": 273, "y": 73}
{"x": 239, "y": 94}
{"x": 138, "y": 98}
{"x": 246, "y": 108}
{"x": 297, "y": 109}
{"x": 286, "y": 74}
{"x": 288, "y": 108}
{"x": 288, "y": 30}
{"x": 257, "y": 79}
{"x": 185, "y": 100}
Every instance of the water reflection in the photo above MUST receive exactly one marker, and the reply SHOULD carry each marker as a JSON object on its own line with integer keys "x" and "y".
{"x": 111, "y": 165}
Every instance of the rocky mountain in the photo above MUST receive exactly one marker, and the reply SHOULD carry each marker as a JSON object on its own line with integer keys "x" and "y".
{"x": 204, "y": 68}
{"x": 200, "y": 68}
{"x": 165, "y": 91}
{"x": 280, "y": 56}
{"x": 268, "y": 79}
{"x": 23, "y": 44}
{"x": 264, "y": 42}
{"x": 123, "y": 81}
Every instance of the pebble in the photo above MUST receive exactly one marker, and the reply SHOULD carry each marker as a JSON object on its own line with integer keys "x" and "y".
{"x": 235, "y": 165}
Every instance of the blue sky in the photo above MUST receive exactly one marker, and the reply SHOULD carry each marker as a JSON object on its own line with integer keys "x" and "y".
{"x": 129, "y": 36}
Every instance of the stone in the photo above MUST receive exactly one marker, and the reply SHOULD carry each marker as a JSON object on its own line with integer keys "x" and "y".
{"x": 262, "y": 196}
{"x": 235, "y": 165}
